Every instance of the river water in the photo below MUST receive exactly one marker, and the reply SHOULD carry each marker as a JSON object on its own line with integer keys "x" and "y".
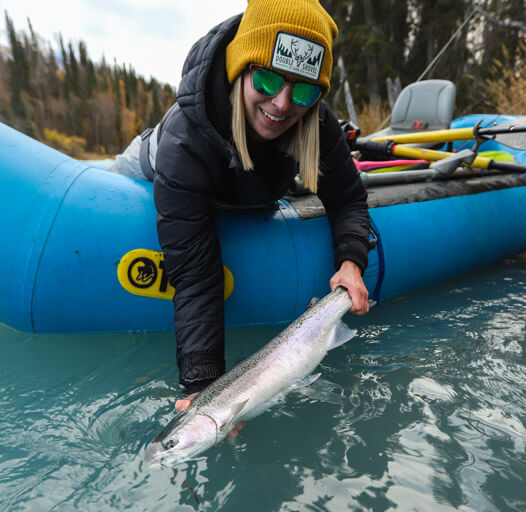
{"x": 424, "y": 410}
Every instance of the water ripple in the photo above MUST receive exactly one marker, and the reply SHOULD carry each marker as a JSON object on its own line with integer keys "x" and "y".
{"x": 424, "y": 410}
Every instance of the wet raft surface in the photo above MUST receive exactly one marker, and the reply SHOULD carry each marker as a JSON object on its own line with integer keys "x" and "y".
{"x": 309, "y": 206}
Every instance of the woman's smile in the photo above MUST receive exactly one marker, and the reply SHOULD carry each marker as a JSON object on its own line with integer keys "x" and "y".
{"x": 273, "y": 118}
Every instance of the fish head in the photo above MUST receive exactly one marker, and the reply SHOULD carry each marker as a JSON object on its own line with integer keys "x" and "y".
{"x": 183, "y": 442}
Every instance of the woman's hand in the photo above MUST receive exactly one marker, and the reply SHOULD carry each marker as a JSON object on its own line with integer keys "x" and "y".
{"x": 350, "y": 276}
{"x": 185, "y": 403}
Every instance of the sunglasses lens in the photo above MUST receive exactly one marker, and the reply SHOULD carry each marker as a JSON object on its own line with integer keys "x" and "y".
{"x": 267, "y": 82}
{"x": 305, "y": 94}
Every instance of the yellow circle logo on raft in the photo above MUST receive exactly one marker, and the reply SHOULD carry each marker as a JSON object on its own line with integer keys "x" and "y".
{"x": 142, "y": 272}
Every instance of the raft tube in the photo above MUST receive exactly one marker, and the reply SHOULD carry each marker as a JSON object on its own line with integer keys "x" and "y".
{"x": 67, "y": 225}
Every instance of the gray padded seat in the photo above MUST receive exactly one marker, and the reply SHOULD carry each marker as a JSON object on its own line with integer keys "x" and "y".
{"x": 422, "y": 106}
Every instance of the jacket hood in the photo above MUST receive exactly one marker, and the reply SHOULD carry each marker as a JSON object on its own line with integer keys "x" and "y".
{"x": 204, "y": 89}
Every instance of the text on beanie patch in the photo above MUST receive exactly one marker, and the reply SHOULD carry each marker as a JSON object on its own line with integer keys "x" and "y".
{"x": 297, "y": 55}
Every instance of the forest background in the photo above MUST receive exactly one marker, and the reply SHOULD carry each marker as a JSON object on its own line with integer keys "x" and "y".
{"x": 57, "y": 94}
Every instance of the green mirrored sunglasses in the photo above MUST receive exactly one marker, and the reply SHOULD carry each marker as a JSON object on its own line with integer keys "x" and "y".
{"x": 270, "y": 83}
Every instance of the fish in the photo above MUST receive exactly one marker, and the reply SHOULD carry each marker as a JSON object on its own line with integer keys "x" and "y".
{"x": 256, "y": 383}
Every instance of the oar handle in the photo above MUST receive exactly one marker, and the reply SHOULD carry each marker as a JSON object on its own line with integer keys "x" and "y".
{"x": 380, "y": 148}
{"x": 507, "y": 167}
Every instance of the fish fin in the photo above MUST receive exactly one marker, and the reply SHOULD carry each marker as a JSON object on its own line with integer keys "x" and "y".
{"x": 235, "y": 411}
{"x": 311, "y": 303}
{"x": 307, "y": 381}
{"x": 342, "y": 334}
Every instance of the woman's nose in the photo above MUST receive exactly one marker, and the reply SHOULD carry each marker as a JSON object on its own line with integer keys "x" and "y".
{"x": 282, "y": 101}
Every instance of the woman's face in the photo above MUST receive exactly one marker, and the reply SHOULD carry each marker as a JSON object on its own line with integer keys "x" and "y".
{"x": 270, "y": 117}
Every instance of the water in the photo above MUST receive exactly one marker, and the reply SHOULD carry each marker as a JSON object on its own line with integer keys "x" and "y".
{"x": 424, "y": 410}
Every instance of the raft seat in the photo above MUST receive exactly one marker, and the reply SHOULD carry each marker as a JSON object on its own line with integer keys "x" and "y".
{"x": 422, "y": 106}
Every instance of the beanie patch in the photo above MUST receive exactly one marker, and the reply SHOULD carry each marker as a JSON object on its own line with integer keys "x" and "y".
{"x": 297, "y": 55}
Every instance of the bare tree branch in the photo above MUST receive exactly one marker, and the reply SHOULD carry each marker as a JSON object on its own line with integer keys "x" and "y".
{"x": 517, "y": 25}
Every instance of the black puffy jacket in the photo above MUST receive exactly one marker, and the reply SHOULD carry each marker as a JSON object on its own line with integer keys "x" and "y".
{"x": 197, "y": 166}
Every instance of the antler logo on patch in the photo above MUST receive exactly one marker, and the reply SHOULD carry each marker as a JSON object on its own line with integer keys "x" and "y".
{"x": 301, "y": 54}
{"x": 297, "y": 55}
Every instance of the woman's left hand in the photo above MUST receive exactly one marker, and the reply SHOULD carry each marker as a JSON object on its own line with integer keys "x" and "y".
{"x": 350, "y": 276}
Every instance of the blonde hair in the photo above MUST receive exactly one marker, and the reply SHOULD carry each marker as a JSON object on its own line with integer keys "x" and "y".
{"x": 304, "y": 146}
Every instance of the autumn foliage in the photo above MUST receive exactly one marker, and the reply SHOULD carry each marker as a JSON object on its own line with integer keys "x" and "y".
{"x": 507, "y": 90}
{"x": 61, "y": 97}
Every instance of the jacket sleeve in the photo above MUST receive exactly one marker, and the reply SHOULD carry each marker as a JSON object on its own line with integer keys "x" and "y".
{"x": 342, "y": 194}
{"x": 192, "y": 259}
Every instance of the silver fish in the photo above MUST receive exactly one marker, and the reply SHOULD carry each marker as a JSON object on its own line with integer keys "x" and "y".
{"x": 253, "y": 385}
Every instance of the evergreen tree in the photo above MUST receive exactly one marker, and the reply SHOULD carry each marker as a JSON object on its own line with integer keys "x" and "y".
{"x": 66, "y": 83}
{"x": 18, "y": 70}
{"x": 73, "y": 71}
{"x": 91, "y": 79}
{"x": 52, "y": 83}
{"x": 156, "y": 111}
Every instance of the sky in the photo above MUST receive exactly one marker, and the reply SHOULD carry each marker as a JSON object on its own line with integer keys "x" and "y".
{"x": 154, "y": 36}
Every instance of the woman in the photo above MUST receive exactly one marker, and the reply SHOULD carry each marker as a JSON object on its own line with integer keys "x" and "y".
{"x": 248, "y": 114}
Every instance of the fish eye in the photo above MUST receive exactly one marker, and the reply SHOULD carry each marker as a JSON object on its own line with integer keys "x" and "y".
{"x": 169, "y": 444}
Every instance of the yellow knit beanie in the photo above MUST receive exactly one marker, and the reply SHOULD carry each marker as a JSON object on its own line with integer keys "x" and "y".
{"x": 290, "y": 36}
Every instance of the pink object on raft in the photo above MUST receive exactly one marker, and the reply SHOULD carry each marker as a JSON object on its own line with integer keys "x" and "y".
{"x": 367, "y": 166}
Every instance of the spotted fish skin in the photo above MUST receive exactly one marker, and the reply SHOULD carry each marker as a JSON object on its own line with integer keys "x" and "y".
{"x": 253, "y": 384}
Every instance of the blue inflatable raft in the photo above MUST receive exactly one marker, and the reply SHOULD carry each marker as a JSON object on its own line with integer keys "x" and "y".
{"x": 75, "y": 236}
